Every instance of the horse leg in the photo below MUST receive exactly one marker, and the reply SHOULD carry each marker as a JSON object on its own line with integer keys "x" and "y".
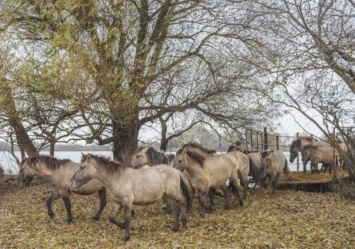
{"x": 227, "y": 198}
{"x": 305, "y": 161}
{"x": 103, "y": 201}
{"x": 201, "y": 200}
{"x": 179, "y": 206}
{"x": 235, "y": 190}
{"x": 211, "y": 195}
{"x": 49, "y": 201}
{"x": 245, "y": 182}
{"x": 113, "y": 216}
{"x": 176, "y": 211}
{"x": 274, "y": 182}
{"x": 127, "y": 222}
{"x": 67, "y": 205}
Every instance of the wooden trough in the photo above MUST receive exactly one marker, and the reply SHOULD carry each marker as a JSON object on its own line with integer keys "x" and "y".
{"x": 317, "y": 182}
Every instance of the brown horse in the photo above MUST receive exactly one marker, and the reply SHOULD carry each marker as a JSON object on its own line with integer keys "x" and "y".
{"x": 255, "y": 167}
{"x": 298, "y": 145}
{"x": 321, "y": 154}
{"x": 273, "y": 163}
{"x": 239, "y": 158}
{"x": 149, "y": 156}
{"x": 254, "y": 162}
{"x": 58, "y": 173}
{"x": 132, "y": 186}
{"x": 208, "y": 172}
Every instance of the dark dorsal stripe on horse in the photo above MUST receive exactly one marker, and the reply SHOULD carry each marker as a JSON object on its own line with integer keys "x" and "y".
{"x": 104, "y": 162}
{"x": 198, "y": 146}
{"x": 51, "y": 163}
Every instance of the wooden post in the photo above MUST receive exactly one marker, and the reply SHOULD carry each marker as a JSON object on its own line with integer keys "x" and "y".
{"x": 277, "y": 142}
{"x": 298, "y": 159}
{"x": 246, "y": 139}
{"x": 266, "y": 140}
{"x": 251, "y": 141}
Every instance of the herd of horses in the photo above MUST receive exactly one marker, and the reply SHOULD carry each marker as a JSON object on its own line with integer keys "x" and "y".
{"x": 193, "y": 172}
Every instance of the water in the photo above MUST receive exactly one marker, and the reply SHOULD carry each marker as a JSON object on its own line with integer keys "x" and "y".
{"x": 10, "y": 167}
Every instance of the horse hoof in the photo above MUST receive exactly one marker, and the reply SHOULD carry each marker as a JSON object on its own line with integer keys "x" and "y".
{"x": 96, "y": 217}
{"x": 184, "y": 223}
{"x": 125, "y": 238}
{"x": 175, "y": 229}
{"x": 51, "y": 216}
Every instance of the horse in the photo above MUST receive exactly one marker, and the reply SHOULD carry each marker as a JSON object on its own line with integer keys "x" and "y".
{"x": 321, "y": 154}
{"x": 239, "y": 158}
{"x": 298, "y": 145}
{"x": 254, "y": 162}
{"x": 208, "y": 172}
{"x": 149, "y": 156}
{"x": 58, "y": 173}
{"x": 255, "y": 167}
{"x": 273, "y": 163}
{"x": 132, "y": 186}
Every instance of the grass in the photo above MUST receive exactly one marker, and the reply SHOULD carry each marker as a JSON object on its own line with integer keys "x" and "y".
{"x": 288, "y": 219}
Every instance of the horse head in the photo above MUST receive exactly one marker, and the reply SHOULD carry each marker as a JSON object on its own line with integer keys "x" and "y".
{"x": 85, "y": 173}
{"x": 294, "y": 149}
{"x": 27, "y": 172}
{"x": 139, "y": 158}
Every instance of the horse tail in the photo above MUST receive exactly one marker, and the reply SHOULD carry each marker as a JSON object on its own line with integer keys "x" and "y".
{"x": 255, "y": 172}
{"x": 186, "y": 191}
{"x": 286, "y": 168}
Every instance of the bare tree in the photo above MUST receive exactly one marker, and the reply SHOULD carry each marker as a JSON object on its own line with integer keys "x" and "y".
{"x": 125, "y": 49}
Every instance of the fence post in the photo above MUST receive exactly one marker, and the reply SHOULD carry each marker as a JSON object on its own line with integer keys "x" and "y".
{"x": 298, "y": 160}
{"x": 246, "y": 139}
{"x": 277, "y": 142}
{"x": 266, "y": 142}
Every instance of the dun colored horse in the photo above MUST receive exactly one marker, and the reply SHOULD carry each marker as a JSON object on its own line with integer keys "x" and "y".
{"x": 254, "y": 159}
{"x": 298, "y": 146}
{"x": 255, "y": 167}
{"x": 58, "y": 173}
{"x": 131, "y": 186}
{"x": 273, "y": 163}
{"x": 149, "y": 156}
{"x": 208, "y": 172}
{"x": 321, "y": 154}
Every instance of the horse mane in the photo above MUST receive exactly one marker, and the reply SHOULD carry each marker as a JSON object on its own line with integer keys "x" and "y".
{"x": 198, "y": 146}
{"x": 139, "y": 149}
{"x": 104, "y": 162}
{"x": 266, "y": 153}
{"x": 51, "y": 163}
{"x": 156, "y": 157}
{"x": 196, "y": 157}
{"x": 309, "y": 138}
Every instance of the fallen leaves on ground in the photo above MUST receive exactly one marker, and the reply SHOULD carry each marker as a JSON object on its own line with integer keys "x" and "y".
{"x": 288, "y": 219}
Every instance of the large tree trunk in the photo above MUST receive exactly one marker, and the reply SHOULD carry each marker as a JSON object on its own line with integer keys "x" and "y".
{"x": 125, "y": 139}
{"x": 22, "y": 137}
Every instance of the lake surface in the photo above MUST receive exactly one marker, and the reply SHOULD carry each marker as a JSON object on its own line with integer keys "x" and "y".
{"x": 8, "y": 163}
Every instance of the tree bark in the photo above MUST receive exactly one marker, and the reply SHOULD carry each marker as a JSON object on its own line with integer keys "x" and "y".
{"x": 125, "y": 139}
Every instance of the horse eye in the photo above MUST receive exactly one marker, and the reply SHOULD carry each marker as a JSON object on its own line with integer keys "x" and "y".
{"x": 82, "y": 166}
{"x": 180, "y": 161}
